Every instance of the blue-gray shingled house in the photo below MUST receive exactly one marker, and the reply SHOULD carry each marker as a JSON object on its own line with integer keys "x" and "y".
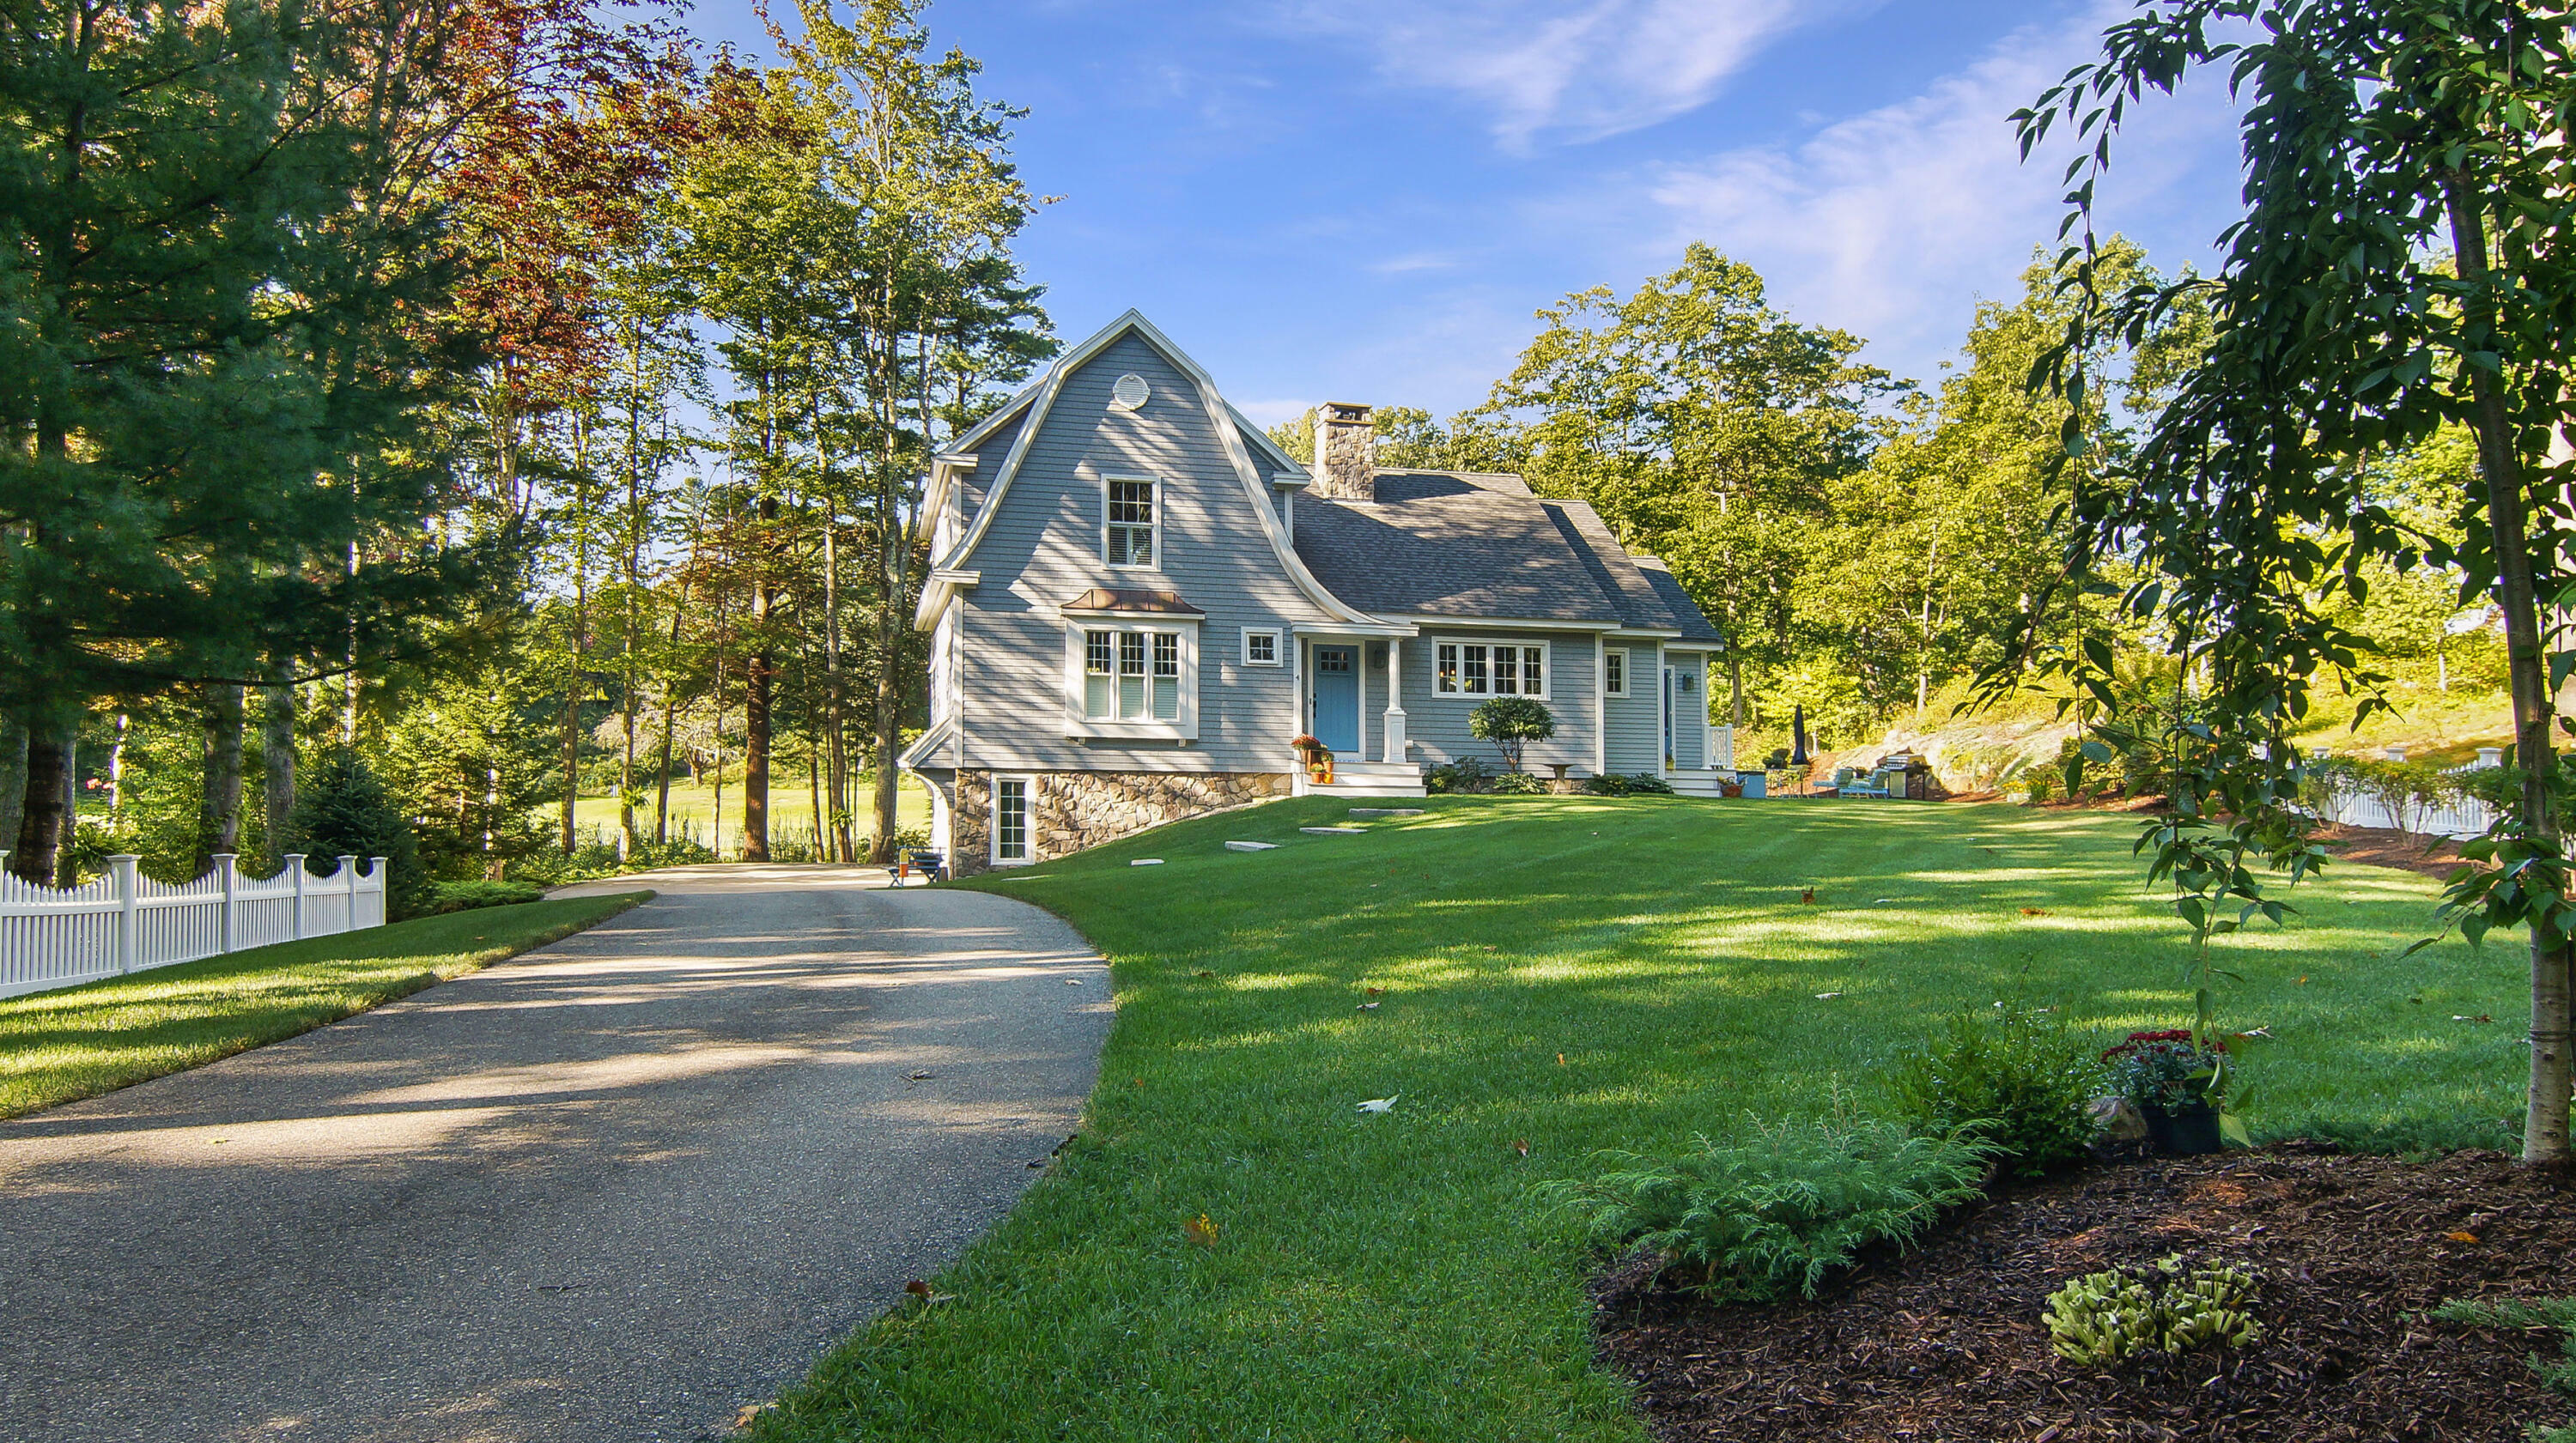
{"x": 1137, "y": 599}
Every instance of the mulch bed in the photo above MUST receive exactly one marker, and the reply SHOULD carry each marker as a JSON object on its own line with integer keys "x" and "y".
{"x": 1947, "y": 1342}
{"x": 2389, "y": 847}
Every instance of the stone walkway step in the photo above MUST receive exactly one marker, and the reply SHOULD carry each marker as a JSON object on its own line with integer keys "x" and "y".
{"x": 1334, "y": 831}
{"x": 1252, "y": 846}
{"x": 1386, "y": 811}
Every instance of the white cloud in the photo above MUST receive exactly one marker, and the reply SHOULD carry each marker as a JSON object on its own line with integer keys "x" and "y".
{"x": 1592, "y": 69}
{"x": 1887, "y": 223}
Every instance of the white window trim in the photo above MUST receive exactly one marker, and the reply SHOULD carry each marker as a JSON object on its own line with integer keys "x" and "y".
{"x": 1077, "y": 724}
{"x": 1029, "y": 824}
{"x": 1278, "y": 645}
{"x": 1546, "y": 664}
{"x": 1626, "y": 660}
{"x": 1157, "y": 483}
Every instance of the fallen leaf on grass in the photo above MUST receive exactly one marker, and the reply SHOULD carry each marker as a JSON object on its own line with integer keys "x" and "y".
{"x": 1808, "y": 896}
{"x": 1560, "y": 1059}
{"x": 1521, "y": 1145}
{"x": 2034, "y": 911}
{"x": 1203, "y": 974}
{"x": 1827, "y": 996}
{"x": 1380, "y": 1104}
{"x": 2481, "y": 1017}
{"x": 1200, "y": 1230}
{"x": 921, "y": 1290}
{"x": 1375, "y": 992}
{"x": 750, "y": 1414}
{"x": 1368, "y": 1007}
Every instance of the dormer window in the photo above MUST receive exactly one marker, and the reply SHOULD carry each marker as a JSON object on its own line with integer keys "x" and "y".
{"x": 1132, "y": 520}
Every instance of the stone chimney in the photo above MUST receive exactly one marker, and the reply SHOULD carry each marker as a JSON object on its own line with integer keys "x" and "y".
{"x": 1345, "y": 452}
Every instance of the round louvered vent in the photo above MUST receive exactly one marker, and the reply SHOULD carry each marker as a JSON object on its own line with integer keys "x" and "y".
{"x": 1128, "y": 393}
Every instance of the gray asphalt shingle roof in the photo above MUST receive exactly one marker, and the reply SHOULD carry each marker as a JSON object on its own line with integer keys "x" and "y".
{"x": 1470, "y": 544}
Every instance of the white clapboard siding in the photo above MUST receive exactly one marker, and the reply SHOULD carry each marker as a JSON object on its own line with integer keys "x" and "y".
{"x": 126, "y": 922}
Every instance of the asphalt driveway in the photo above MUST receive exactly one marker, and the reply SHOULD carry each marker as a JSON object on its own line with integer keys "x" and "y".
{"x": 615, "y": 1189}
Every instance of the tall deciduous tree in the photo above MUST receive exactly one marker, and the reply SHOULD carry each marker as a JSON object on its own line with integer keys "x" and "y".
{"x": 2407, "y": 261}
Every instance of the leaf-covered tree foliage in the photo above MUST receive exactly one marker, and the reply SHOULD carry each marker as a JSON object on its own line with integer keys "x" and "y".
{"x": 213, "y": 364}
{"x": 2406, "y": 263}
{"x": 1511, "y": 723}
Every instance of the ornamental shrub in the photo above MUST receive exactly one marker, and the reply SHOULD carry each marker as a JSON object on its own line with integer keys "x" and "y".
{"x": 466, "y": 896}
{"x": 1518, "y": 784}
{"x": 1607, "y": 784}
{"x": 1751, "y": 1219}
{"x": 2174, "y": 1307}
{"x": 2018, "y": 1079}
{"x": 1467, "y": 774}
{"x": 1511, "y": 723}
{"x": 1648, "y": 784}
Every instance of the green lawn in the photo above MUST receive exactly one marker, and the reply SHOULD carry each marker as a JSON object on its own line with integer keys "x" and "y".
{"x": 1578, "y": 974}
{"x": 693, "y": 811}
{"x": 82, "y": 1041}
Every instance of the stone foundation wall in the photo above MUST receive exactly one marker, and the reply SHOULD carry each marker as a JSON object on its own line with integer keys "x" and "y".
{"x": 1072, "y": 811}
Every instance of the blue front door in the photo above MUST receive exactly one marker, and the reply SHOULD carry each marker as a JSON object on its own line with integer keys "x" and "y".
{"x": 1335, "y": 708}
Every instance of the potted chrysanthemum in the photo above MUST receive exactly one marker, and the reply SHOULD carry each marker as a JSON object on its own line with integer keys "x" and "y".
{"x": 2177, "y": 1085}
{"x": 1315, "y": 757}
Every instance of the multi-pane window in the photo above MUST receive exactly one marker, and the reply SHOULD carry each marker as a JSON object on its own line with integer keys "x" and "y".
{"x": 1468, "y": 668}
{"x": 1167, "y": 677}
{"x": 1131, "y": 523}
{"x": 1614, "y": 671}
{"x": 1261, "y": 648}
{"x": 1131, "y": 675}
{"x": 1010, "y": 819}
{"x": 1097, "y": 698}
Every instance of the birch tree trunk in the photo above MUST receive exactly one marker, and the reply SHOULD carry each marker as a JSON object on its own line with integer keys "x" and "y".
{"x": 2499, "y": 463}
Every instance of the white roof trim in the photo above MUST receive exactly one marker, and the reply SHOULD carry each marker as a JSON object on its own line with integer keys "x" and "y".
{"x": 1220, "y": 415}
{"x": 923, "y": 745}
{"x": 1262, "y": 438}
{"x": 1431, "y": 620}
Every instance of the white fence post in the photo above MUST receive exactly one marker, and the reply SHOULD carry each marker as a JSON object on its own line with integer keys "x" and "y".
{"x": 295, "y": 864}
{"x": 228, "y": 874}
{"x": 384, "y": 890}
{"x": 121, "y": 868}
{"x": 349, "y": 885}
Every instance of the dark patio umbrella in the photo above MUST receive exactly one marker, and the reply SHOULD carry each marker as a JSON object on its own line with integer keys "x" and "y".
{"x": 1798, "y": 735}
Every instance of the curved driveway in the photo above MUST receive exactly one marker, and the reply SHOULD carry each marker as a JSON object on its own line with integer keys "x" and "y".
{"x": 615, "y": 1189}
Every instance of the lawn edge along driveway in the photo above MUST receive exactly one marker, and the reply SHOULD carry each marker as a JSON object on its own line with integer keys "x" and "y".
{"x": 61, "y": 1046}
{"x": 1232, "y": 1249}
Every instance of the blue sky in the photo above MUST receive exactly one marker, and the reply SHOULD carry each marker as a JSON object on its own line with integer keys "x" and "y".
{"x": 1365, "y": 200}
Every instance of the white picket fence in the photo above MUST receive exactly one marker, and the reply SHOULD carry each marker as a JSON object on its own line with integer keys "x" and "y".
{"x": 126, "y": 922}
{"x": 2468, "y": 817}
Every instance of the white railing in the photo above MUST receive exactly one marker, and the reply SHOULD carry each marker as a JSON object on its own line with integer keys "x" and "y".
{"x": 126, "y": 922}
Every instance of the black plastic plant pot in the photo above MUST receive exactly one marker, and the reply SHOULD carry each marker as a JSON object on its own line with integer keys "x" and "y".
{"x": 2187, "y": 1132}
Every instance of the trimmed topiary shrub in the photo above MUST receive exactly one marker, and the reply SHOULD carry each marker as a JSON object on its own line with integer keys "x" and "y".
{"x": 1511, "y": 723}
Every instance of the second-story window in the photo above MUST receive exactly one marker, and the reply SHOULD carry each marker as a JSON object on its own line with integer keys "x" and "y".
{"x": 1131, "y": 523}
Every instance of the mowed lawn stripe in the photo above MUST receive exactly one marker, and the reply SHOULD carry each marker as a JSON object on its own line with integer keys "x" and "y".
{"x": 1384, "y": 1277}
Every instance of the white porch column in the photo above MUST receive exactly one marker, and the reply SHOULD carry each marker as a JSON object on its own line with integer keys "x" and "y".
{"x": 1396, "y": 744}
